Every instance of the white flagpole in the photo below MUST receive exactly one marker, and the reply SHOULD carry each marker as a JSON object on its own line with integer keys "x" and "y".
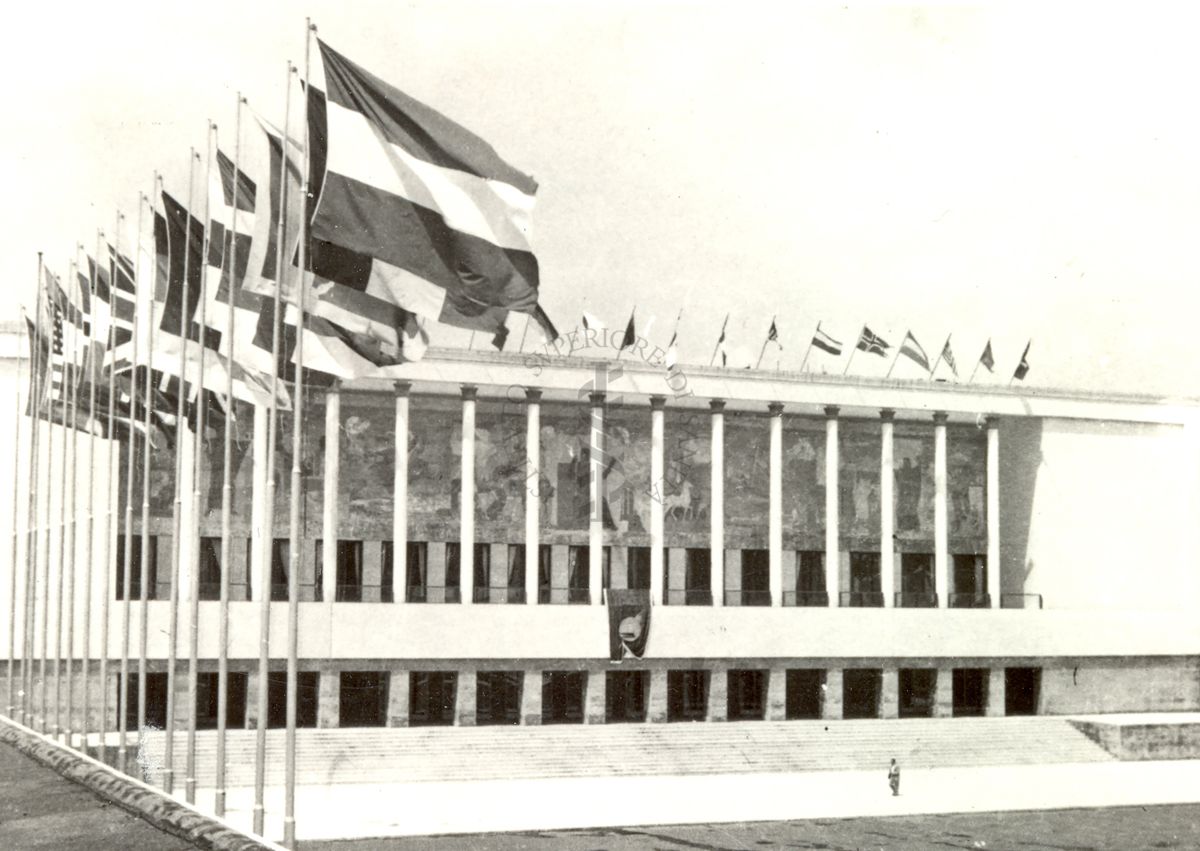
{"x": 12, "y": 575}
{"x": 90, "y": 526}
{"x": 127, "y": 554}
{"x": 898, "y": 349}
{"x": 49, "y": 725}
{"x": 941, "y": 354}
{"x": 763, "y": 351}
{"x": 72, "y": 458}
{"x": 68, "y": 315}
{"x": 189, "y": 782}
{"x": 229, "y": 263}
{"x": 720, "y": 340}
{"x": 810, "y": 345}
{"x": 978, "y": 362}
{"x": 147, "y": 456}
{"x": 168, "y": 772}
{"x": 267, "y": 543}
{"x": 294, "y": 537}
{"x": 853, "y": 349}
{"x": 110, "y": 488}
{"x": 34, "y": 520}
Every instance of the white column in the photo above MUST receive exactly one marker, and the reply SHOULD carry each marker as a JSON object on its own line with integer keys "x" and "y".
{"x": 400, "y": 497}
{"x": 657, "y": 496}
{"x": 533, "y": 490}
{"x": 832, "y": 544}
{"x": 941, "y": 524}
{"x": 329, "y": 514}
{"x": 596, "y": 491}
{"x": 993, "y": 511}
{"x": 466, "y": 570}
{"x": 775, "y": 506}
{"x": 716, "y": 513}
{"x": 260, "y": 579}
{"x": 887, "y": 507}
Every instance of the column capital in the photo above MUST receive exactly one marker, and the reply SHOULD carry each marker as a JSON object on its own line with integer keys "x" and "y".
{"x": 940, "y": 417}
{"x": 775, "y": 408}
{"x": 597, "y": 399}
{"x": 469, "y": 392}
{"x": 832, "y": 411}
{"x": 657, "y": 403}
{"x": 533, "y": 395}
{"x": 717, "y": 405}
{"x": 992, "y": 421}
{"x": 402, "y": 388}
{"x": 887, "y": 414}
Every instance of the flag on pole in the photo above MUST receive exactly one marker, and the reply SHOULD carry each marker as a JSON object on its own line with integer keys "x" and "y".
{"x": 773, "y": 335}
{"x": 911, "y": 349}
{"x": 592, "y": 322}
{"x": 630, "y": 335}
{"x": 872, "y": 343}
{"x": 1023, "y": 367}
{"x": 988, "y": 361}
{"x": 442, "y": 220}
{"x": 826, "y": 343}
{"x": 948, "y": 357}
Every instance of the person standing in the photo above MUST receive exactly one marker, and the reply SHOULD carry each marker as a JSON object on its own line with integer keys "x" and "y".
{"x": 894, "y": 777}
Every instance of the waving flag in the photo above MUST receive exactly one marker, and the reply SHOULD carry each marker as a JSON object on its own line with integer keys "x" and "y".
{"x": 1023, "y": 367}
{"x": 630, "y": 336}
{"x": 948, "y": 357}
{"x": 988, "y": 361}
{"x": 872, "y": 343}
{"x": 442, "y": 218}
{"x": 910, "y": 348}
{"x": 826, "y": 343}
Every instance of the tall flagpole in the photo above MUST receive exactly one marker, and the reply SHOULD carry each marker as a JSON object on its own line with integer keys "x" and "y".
{"x": 939, "y": 357}
{"x": 978, "y": 362}
{"x": 34, "y": 523}
{"x": 763, "y": 351}
{"x": 897, "y": 357}
{"x": 47, "y": 723}
{"x": 147, "y": 455}
{"x": 229, "y": 262}
{"x": 720, "y": 340}
{"x": 267, "y": 544}
{"x": 12, "y": 574}
{"x": 111, "y": 489}
{"x": 189, "y": 783}
{"x": 90, "y": 527}
{"x": 168, "y": 773}
{"x": 853, "y": 349}
{"x": 289, "y": 809}
{"x": 130, "y": 477}
{"x": 61, "y": 572}
{"x": 528, "y": 320}
{"x": 810, "y": 345}
{"x": 72, "y": 458}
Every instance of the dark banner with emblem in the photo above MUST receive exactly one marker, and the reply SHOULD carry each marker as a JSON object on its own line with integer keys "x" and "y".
{"x": 628, "y": 622}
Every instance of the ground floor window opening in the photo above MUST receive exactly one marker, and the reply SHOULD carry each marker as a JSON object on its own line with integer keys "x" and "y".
{"x": 860, "y": 692}
{"x": 687, "y": 695}
{"x": 308, "y": 684}
{"x": 917, "y": 687}
{"x": 625, "y": 696}
{"x": 156, "y": 701}
{"x": 562, "y": 696}
{"x": 235, "y": 700}
{"x": 804, "y": 693}
{"x": 1021, "y": 687}
{"x": 747, "y": 695}
{"x": 498, "y": 697}
{"x": 431, "y": 697}
{"x": 969, "y": 698}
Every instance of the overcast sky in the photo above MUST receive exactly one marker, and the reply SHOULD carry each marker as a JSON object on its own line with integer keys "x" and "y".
{"x": 998, "y": 171}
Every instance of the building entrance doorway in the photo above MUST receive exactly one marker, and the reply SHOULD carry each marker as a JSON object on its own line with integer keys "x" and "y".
{"x": 431, "y": 698}
{"x": 562, "y": 696}
{"x": 625, "y": 696}
{"x": 803, "y": 690}
{"x": 917, "y": 687}
{"x": 916, "y": 581}
{"x": 970, "y": 582}
{"x": 362, "y": 699}
{"x": 1021, "y": 686}
{"x": 498, "y": 697}
{"x": 970, "y": 692}
{"x": 687, "y": 695}
{"x": 747, "y": 695}
{"x": 860, "y": 692}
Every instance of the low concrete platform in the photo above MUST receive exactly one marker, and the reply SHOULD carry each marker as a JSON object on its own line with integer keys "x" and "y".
{"x": 1144, "y": 736}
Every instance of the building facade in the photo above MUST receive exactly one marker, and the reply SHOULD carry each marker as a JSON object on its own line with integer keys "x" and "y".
{"x": 813, "y": 547}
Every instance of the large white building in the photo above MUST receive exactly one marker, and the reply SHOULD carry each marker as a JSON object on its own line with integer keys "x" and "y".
{"x": 813, "y": 546}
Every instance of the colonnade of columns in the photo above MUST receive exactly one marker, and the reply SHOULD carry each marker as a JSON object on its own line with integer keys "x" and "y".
{"x": 776, "y": 555}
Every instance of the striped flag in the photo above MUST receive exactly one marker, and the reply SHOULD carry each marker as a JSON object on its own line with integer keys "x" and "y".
{"x": 910, "y": 348}
{"x": 826, "y": 343}
{"x": 948, "y": 357}
{"x": 872, "y": 343}
{"x": 773, "y": 335}
{"x": 442, "y": 221}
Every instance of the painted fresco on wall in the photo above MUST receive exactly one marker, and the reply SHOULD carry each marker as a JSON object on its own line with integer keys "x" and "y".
{"x": 747, "y": 478}
{"x": 687, "y": 473}
{"x": 804, "y": 480}
{"x": 966, "y": 482}
{"x": 627, "y": 500}
{"x": 563, "y": 484}
{"x": 500, "y": 466}
{"x": 913, "y": 458}
{"x": 434, "y": 469}
{"x": 366, "y": 455}
{"x": 858, "y": 480}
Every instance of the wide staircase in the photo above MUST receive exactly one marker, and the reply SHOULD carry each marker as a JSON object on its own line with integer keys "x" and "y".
{"x": 399, "y": 755}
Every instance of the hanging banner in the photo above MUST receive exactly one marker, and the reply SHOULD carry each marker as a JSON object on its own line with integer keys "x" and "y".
{"x": 628, "y": 622}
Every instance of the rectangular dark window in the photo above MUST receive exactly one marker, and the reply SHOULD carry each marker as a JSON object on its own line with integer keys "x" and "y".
{"x": 861, "y": 688}
{"x": 746, "y": 695}
{"x": 386, "y": 572}
{"x": 135, "y": 573}
{"x": 210, "y": 568}
{"x": 578, "y": 573}
{"x": 625, "y": 696}
{"x": 280, "y": 561}
{"x": 207, "y": 700}
{"x": 756, "y": 580}
{"x": 563, "y": 696}
{"x": 349, "y": 571}
{"x": 156, "y": 701}
{"x": 810, "y": 580}
{"x": 416, "y": 569}
{"x": 865, "y": 590}
{"x": 516, "y": 573}
{"x": 970, "y": 582}
{"x": 917, "y": 590}
{"x": 917, "y": 688}
{"x": 969, "y": 692}
{"x": 1021, "y": 687}
{"x": 453, "y": 567}
{"x": 804, "y": 693}
{"x": 638, "y": 561}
